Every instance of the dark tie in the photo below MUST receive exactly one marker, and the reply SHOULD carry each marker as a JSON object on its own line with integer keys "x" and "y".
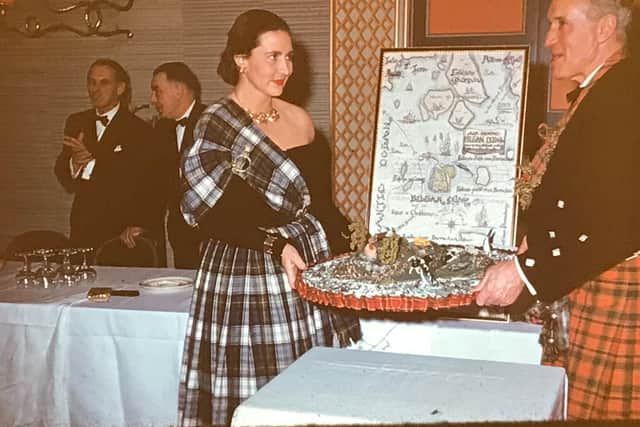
{"x": 102, "y": 119}
{"x": 573, "y": 95}
{"x": 182, "y": 122}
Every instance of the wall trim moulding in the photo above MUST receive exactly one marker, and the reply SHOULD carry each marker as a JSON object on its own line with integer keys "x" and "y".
{"x": 403, "y": 28}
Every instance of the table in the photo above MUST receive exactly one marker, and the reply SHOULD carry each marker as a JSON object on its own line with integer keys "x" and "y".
{"x": 65, "y": 360}
{"x": 339, "y": 386}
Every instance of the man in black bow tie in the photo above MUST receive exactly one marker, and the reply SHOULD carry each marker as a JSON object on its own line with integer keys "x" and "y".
{"x": 175, "y": 93}
{"x": 103, "y": 154}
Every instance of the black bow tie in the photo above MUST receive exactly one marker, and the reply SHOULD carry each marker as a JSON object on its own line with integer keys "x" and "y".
{"x": 182, "y": 122}
{"x": 573, "y": 95}
{"x": 102, "y": 119}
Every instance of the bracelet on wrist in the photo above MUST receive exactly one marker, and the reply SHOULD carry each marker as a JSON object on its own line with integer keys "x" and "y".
{"x": 274, "y": 244}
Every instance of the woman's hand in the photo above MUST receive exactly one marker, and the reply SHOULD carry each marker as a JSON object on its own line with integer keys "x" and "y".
{"x": 292, "y": 263}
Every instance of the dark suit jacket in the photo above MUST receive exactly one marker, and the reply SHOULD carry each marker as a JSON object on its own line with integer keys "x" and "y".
{"x": 166, "y": 170}
{"x": 115, "y": 195}
{"x": 584, "y": 216}
{"x": 168, "y": 155}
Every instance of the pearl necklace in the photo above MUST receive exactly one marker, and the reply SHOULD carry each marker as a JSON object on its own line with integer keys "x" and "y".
{"x": 262, "y": 117}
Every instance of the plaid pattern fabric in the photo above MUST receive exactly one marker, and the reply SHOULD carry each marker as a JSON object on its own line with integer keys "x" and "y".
{"x": 226, "y": 138}
{"x": 246, "y": 324}
{"x": 603, "y": 361}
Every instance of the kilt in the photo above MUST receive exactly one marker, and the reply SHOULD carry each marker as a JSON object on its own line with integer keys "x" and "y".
{"x": 603, "y": 359}
{"x": 246, "y": 325}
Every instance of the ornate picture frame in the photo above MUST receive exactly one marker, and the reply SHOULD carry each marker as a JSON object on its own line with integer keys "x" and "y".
{"x": 448, "y": 140}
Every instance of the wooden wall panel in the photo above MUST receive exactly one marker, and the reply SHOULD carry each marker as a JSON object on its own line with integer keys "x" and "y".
{"x": 42, "y": 81}
{"x": 360, "y": 30}
{"x": 558, "y": 90}
{"x": 486, "y": 16}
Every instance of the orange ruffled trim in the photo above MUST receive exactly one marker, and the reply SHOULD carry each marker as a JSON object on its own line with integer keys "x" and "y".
{"x": 397, "y": 303}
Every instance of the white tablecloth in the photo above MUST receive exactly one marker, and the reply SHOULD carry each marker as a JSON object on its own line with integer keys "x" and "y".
{"x": 66, "y": 361}
{"x": 340, "y": 386}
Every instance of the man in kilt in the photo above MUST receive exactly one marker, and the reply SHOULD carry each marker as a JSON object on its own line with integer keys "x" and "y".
{"x": 581, "y": 197}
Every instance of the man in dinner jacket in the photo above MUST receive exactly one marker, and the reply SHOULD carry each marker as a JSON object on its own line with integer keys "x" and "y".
{"x": 175, "y": 93}
{"x": 102, "y": 162}
{"x": 582, "y": 232}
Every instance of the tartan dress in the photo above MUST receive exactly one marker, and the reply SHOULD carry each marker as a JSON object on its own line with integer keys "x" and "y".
{"x": 603, "y": 358}
{"x": 246, "y": 324}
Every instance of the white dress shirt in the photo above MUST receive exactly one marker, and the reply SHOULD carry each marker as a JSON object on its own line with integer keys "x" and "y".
{"x": 181, "y": 128}
{"x": 86, "y": 171}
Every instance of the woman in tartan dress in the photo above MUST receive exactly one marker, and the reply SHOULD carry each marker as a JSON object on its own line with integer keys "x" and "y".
{"x": 582, "y": 239}
{"x": 257, "y": 183}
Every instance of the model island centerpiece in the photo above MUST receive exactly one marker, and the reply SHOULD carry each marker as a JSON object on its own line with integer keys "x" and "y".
{"x": 391, "y": 273}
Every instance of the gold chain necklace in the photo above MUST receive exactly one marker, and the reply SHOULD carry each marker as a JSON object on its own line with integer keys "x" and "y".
{"x": 263, "y": 117}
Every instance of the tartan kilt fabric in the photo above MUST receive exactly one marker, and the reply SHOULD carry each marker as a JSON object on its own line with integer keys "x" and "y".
{"x": 246, "y": 325}
{"x": 603, "y": 360}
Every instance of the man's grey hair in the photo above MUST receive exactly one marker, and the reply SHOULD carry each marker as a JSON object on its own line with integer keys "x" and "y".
{"x": 621, "y": 9}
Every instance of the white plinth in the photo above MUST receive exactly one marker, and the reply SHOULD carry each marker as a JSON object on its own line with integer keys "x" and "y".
{"x": 499, "y": 341}
{"x": 343, "y": 386}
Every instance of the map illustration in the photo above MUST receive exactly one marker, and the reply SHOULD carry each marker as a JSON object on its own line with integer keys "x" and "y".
{"x": 448, "y": 137}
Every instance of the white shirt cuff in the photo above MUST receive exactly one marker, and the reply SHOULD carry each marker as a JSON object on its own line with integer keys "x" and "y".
{"x": 523, "y": 277}
{"x": 74, "y": 173}
{"x": 88, "y": 169}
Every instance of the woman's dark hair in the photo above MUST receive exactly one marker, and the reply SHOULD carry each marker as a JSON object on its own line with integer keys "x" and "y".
{"x": 243, "y": 36}
{"x": 121, "y": 76}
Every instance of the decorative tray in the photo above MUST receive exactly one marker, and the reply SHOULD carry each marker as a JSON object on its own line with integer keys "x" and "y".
{"x": 421, "y": 277}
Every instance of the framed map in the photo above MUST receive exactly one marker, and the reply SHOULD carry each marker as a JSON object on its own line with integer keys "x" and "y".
{"x": 449, "y": 127}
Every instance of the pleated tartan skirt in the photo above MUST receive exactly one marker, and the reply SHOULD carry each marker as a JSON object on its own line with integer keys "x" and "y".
{"x": 603, "y": 360}
{"x": 245, "y": 326}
